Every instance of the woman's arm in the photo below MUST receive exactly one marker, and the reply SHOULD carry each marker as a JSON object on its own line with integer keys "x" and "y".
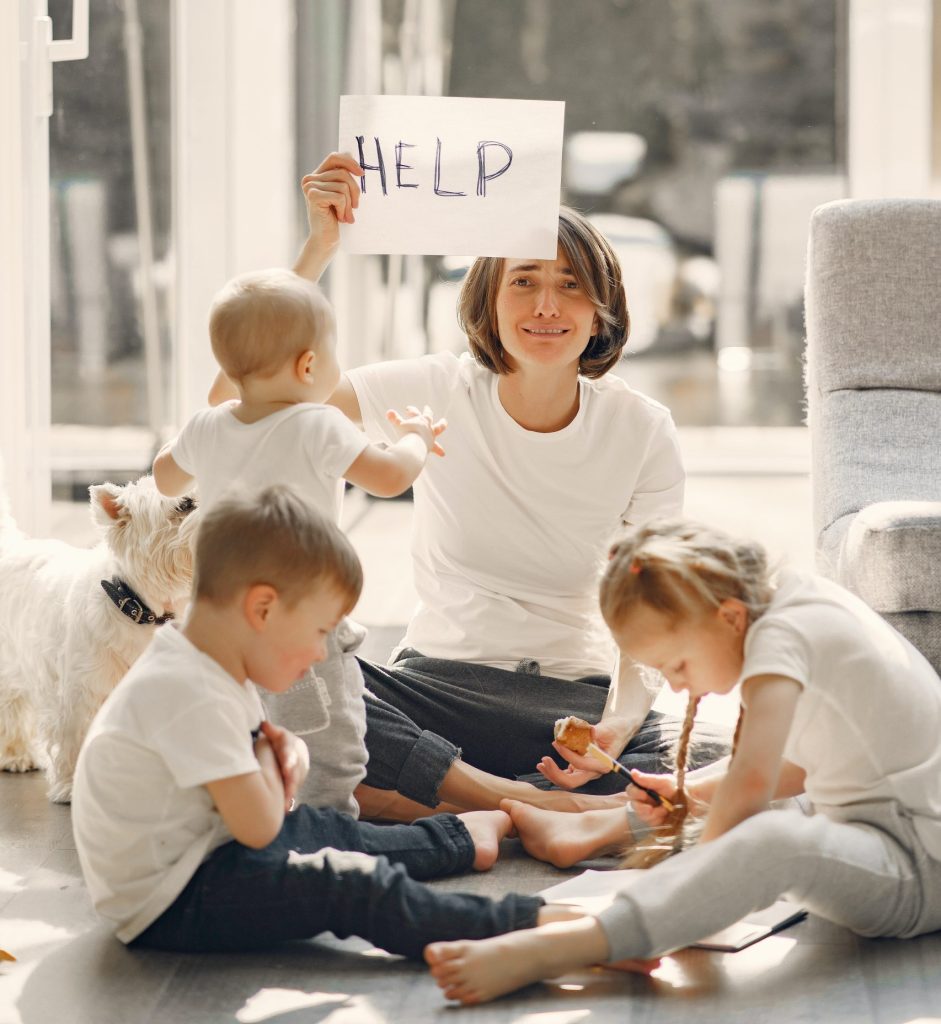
{"x": 252, "y": 805}
{"x": 754, "y": 775}
{"x": 344, "y": 398}
{"x": 630, "y": 698}
{"x": 222, "y": 390}
{"x": 331, "y": 193}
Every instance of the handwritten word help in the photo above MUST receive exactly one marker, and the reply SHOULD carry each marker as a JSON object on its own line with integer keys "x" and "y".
{"x": 485, "y": 172}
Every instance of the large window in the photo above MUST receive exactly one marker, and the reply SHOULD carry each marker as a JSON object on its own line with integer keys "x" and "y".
{"x": 700, "y": 133}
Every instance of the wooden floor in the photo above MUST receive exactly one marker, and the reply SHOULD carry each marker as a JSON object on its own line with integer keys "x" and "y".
{"x": 72, "y": 971}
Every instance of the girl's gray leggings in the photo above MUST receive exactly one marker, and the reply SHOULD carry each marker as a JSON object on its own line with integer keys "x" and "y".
{"x": 870, "y": 874}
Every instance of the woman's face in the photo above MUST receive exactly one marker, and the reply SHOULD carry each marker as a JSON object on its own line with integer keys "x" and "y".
{"x": 544, "y": 317}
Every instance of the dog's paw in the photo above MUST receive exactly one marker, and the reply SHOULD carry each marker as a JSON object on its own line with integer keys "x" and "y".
{"x": 60, "y": 793}
{"x": 18, "y": 763}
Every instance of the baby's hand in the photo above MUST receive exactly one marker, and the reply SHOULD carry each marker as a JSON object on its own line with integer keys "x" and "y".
{"x": 291, "y": 755}
{"x": 422, "y": 423}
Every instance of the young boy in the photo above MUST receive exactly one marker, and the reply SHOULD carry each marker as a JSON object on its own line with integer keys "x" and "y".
{"x": 182, "y": 789}
{"x": 273, "y": 334}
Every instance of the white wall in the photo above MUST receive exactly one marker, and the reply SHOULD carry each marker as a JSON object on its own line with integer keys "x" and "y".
{"x": 233, "y": 167}
{"x": 890, "y": 101}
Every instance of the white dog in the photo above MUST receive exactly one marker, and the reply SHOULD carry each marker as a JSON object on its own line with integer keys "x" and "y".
{"x": 73, "y": 620}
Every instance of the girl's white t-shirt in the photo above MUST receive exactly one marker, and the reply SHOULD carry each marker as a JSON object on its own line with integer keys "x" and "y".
{"x": 868, "y": 721}
{"x": 141, "y": 814}
{"x": 511, "y": 527}
{"x": 309, "y": 445}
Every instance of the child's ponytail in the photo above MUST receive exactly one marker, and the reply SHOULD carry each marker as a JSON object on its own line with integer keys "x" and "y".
{"x": 669, "y": 837}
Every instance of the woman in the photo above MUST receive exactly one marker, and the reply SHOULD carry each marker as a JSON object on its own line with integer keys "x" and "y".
{"x": 547, "y": 456}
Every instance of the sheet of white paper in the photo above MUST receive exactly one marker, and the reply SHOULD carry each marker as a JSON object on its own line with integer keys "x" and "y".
{"x": 591, "y": 890}
{"x": 450, "y": 175}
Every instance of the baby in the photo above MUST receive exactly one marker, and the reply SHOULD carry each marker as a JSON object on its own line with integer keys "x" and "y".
{"x": 273, "y": 334}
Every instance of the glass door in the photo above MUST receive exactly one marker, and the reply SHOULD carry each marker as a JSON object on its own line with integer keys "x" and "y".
{"x": 29, "y": 51}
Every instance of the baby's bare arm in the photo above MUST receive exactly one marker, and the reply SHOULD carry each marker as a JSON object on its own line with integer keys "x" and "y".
{"x": 387, "y": 472}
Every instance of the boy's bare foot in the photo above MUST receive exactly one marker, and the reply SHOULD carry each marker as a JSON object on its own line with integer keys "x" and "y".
{"x": 486, "y": 829}
{"x": 475, "y": 972}
{"x": 565, "y": 839}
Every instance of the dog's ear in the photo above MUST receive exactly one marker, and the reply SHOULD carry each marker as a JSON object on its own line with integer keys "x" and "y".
{"x": 106, "y": 505}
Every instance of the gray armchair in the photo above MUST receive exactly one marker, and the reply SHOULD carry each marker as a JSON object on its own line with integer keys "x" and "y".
{"x": 873, "y": 307}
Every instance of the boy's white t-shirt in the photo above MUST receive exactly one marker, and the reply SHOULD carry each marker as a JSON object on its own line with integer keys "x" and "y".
{"x": 142, "y": 816}
{"x": 511, "y": 527}
{"x": 309, "y": 445}
{"x": 868, "y": 721}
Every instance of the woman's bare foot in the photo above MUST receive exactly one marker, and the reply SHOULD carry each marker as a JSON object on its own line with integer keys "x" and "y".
{"x": 486, "y": 829}
{"x": 564, "y": 839}
{"x": 569, "y": 802}
{"x": 475, "y": 972}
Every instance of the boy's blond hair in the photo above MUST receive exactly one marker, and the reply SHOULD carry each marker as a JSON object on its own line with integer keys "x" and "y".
{"x": 277, "y": 538}
{"x": 259, "y": 321}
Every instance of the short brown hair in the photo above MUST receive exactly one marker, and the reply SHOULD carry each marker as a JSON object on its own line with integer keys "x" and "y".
{"x": 598, "y": 272}
{"x": 258, "y": 321}
{"x": 273, "y": 537}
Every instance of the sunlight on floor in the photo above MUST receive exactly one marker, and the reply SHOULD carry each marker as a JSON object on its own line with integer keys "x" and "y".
{"x": 762, "y": 956}
{"x": 558, "y": 1017}
{"x": 271, "y": 1002}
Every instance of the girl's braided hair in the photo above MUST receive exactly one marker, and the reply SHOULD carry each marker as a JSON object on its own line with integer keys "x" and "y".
{"x": 681, "y": 569}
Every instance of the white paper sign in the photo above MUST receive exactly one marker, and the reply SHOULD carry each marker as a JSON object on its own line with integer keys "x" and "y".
{"x": 452, "y": 175}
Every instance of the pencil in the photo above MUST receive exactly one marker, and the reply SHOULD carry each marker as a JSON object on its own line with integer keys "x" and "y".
{"x": 616, "y": 766}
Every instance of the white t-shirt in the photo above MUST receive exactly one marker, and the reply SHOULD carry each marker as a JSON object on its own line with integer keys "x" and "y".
{"x": 142, "y": 817}
{"x": 511, "y": 527}
{"x": 868, "y": 721}
{"x": 306, "y": 445}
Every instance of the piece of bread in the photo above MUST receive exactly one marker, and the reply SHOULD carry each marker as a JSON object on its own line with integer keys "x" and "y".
{"x": 574, "y": 733}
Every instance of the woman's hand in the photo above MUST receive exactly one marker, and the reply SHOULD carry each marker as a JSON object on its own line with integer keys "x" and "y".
{"x": 582, "y": 768}
{"x": 422, "y": 423}
{"x": 291, "y": 755}
{"x": 331, "y": 193}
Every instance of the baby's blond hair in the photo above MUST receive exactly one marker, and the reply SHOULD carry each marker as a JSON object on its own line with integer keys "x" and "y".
{"x": 681, "y": 569}
{"x": 260, "y": 321}
{"x": 277, "y": 538}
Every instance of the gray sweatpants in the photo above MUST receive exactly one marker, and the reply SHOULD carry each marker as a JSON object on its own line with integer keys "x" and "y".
{"x": 326, "y": 710}
{"x": 863, "y": 867}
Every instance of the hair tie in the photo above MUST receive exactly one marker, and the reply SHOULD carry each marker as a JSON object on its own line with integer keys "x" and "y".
{"x": 635, "y": 568}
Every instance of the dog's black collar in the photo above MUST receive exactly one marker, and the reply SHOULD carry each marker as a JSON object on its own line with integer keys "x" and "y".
{"x": 131, "y": 605}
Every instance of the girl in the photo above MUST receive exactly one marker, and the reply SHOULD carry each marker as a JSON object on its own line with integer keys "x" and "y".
{"x": 835, "y": 704}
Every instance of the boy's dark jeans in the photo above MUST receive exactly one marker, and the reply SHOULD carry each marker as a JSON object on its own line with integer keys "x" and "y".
{"x": 328, "y": 872}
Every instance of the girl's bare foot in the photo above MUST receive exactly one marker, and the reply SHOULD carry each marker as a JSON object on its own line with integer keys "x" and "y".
{"x": 475, "y": 972}
{"x": 486, "y": 829}
{"x": 565, "y": 839}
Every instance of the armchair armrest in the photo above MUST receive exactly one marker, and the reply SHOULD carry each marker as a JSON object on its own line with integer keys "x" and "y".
{"x": 891, "y": 556}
